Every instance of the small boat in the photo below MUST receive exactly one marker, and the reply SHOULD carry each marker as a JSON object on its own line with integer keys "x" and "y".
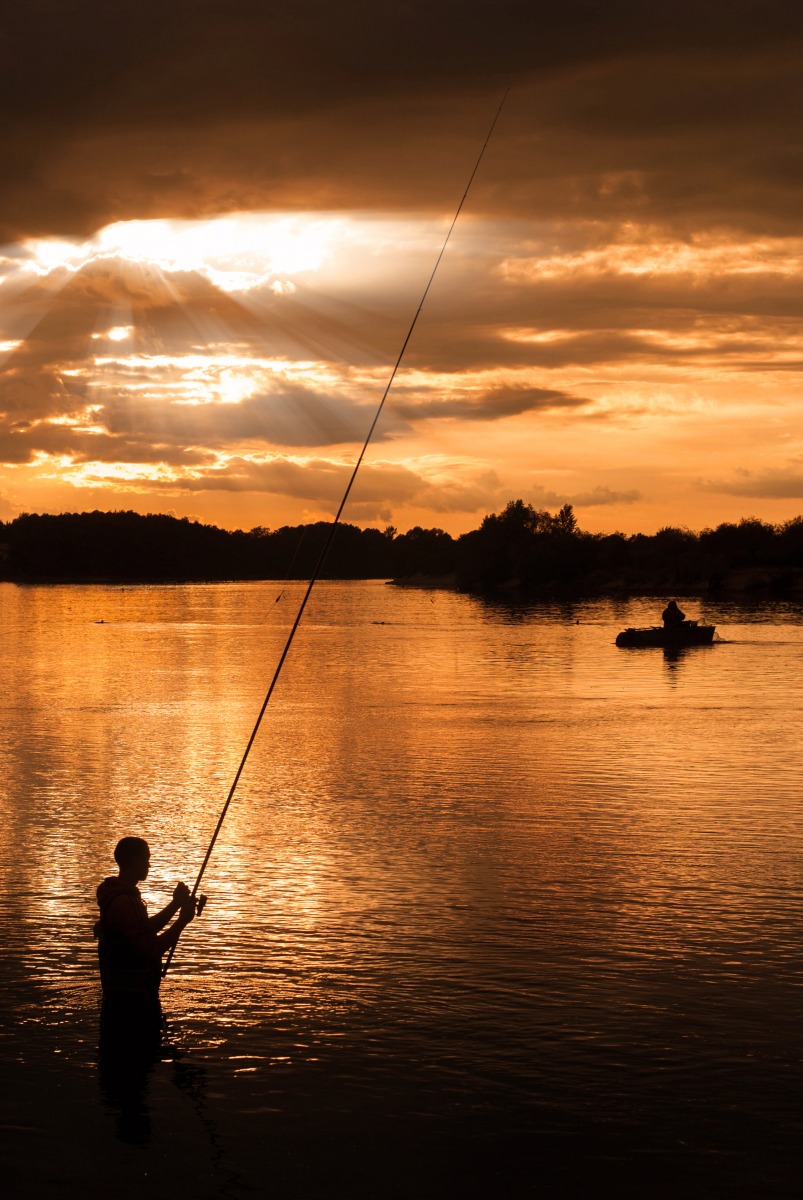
{"x": 672, "y": 637}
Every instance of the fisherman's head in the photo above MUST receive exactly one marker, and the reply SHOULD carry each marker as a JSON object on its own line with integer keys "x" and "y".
{"x": 133, "y": 856}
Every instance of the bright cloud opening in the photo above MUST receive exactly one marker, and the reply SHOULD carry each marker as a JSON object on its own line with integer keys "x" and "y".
{"x": 236, "y": 253}
{"x": 118, "y": 334}
{"x": 243, "y": 251}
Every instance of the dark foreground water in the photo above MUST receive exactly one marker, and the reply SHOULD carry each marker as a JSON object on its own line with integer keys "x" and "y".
{"x": 499, "y": 909}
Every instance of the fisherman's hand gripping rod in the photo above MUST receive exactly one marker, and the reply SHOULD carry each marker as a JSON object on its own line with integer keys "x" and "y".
{"x": 330, "y": 536}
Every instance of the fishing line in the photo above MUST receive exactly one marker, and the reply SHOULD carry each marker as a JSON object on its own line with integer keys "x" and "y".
{"x": 299, "y": 544}
{"x": 328, "y": 542}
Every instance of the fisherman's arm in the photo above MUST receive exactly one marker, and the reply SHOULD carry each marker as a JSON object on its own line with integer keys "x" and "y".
{"x": 181, "y": 894}
{"x": 130, "y": 922}
{"x": 186, "y": 912}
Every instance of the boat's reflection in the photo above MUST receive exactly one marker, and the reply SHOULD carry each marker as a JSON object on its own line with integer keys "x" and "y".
{"x": 674, "y": 656}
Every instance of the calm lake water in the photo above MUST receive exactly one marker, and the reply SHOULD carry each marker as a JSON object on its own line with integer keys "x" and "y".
{"x": 498, "y": 909}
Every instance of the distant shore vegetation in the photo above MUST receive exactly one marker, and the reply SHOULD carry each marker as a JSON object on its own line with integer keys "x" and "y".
{"x": 518, "y": 550}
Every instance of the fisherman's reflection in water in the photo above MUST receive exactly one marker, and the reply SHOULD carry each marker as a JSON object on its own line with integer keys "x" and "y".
{"x": 130, "y": 950}
{"x": 673, "y": 661}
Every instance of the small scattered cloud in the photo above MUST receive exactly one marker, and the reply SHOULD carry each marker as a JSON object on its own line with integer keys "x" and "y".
{"x": 320, "y": 480}
{"x": 467, "y": 492}
{"x": 782, "y": 483}
{"x": 380, "y": 487}
{"x": 598, "y": 496}
{"x": 7, "y": 510}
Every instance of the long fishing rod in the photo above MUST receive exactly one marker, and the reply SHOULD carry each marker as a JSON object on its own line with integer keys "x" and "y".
{"x": 330, "y": 536}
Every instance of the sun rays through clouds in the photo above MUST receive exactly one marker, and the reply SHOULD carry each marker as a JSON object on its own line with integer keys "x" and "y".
{"x": 237, "y": 363}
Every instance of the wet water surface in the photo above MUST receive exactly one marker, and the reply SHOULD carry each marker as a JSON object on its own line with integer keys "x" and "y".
{"x": 498, "y": 908}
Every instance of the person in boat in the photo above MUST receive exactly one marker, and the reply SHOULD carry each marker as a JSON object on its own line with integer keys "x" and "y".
{"x": 130, "y": 943}
{"x": 672, "y": 617}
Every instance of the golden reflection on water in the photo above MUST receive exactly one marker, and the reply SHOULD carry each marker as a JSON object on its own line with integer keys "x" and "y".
{"x": 485, "y": 838}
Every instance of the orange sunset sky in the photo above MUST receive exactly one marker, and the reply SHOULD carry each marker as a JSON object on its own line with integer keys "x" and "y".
{"x": 218, "y": 220}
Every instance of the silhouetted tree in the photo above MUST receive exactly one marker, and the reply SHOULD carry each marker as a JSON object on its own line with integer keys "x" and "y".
{"x": 521, "y": 547}
{"x": 423, "y": 552}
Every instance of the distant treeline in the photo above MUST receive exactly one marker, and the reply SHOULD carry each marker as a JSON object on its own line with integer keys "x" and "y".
{"x": 520, "y": 549}
{"x": 533, "y": 551}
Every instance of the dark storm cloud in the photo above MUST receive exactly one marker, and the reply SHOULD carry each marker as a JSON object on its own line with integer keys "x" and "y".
{"x": 21, "y": 442}
{"x": 153, "y": 109}
{"x": 298, "y": 415}
{"x": 140, "y": 430}
{"x": 492, "y": 405}
{"x": 290, "y": 414}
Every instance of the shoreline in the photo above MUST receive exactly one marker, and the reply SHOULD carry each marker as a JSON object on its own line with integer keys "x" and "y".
{"x": 759, "y": 584}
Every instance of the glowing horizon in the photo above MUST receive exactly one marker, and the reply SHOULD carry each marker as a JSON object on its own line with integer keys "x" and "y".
{"x": 225, "y": 368}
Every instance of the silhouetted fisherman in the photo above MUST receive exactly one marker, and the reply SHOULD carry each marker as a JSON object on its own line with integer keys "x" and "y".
{"x": 130, "y": 944}
{"x": 130, "y": 949}
{"x": 672, "y": 617}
